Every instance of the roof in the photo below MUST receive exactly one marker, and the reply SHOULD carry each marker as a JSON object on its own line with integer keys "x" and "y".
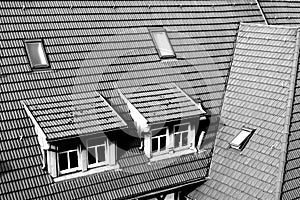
{"x": 259, "y": 96}
{"x": 162, "y": 102}
{"x": 281, "y": 12}
{"x": 92, "y": 46}
{"x": 74, "y": 115}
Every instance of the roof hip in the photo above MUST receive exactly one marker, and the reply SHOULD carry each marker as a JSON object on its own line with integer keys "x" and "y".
{"x": 288, "y": 117}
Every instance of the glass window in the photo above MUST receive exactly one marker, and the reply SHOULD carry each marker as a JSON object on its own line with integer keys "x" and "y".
{"x": 159, "y": 140}
{"x": 68, "y": 160}
{"x": 97, "y": 148}
{"x": 162, "y": 43}
{"x": 36, "y": 54}
{"x": 181, "y": 135}
{"x": 242, "y": 138}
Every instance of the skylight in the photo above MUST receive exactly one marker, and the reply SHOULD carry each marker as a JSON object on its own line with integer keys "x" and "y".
{"x": 162, "y": 43}
{"x": 36, "y": 53}
{"x": 242, "y": 138}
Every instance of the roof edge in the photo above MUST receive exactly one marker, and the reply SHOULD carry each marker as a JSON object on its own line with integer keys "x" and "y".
{"x": 224, "y": 94}
{"x": 262, "y": 12}
{"x": 42, "y": 137}
{"x": 288, "y": 118}
{"x": 187, "y": 96}
{"x": 269, "y": 25}
{"x": 123, "y": 121}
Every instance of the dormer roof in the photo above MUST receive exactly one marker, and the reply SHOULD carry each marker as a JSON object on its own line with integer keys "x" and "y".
{"x": 81, "y": 114}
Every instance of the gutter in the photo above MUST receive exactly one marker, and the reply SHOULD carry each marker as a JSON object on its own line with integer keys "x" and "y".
{"x": 290, "y": 100}
{"x": 262, "y": 12}
{"x": 188, "y": 183}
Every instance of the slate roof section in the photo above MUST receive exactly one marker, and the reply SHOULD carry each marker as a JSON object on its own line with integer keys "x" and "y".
{"x": 258, "y": 96}
{"x": 281, "y": 12}
{"x": 92, "y": 46}
{"x": 74, "y": 115}
{"x": 162, "y": 102}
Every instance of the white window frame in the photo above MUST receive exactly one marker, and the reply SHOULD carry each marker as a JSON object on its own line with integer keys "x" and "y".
{"x": 159, "y": 151}
{"x": 69, "y": 170}
{"x": 97, "y": 164}
{"x": 241, "y": 139}
{"x": 153, "y": 31}
{"x": 180, "y": 132}
{"x": 36, "y": 66}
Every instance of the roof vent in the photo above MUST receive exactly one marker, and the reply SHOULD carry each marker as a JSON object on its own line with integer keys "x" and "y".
{"x": 240, "y": 141}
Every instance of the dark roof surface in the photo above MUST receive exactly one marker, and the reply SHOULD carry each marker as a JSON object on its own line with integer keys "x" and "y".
{"x": 163, "y": 102}
{"x": 74, "y": 115}
{"x": 258, "y": 96}
{"x": 102, "y": 46}
{"x": 281, "y": 12}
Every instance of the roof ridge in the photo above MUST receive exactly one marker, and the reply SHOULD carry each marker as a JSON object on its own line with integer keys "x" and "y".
{"x": 288, "y": 117}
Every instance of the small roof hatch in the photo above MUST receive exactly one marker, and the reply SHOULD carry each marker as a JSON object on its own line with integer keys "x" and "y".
{"x": 242, "y": 138}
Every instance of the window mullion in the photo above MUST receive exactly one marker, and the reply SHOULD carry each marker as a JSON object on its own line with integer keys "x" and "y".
{"x": 68, "y": 157}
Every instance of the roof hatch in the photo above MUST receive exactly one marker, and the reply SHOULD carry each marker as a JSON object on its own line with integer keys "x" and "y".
{"x": 242, "y": 138}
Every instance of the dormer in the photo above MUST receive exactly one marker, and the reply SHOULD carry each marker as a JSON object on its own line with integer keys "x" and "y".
{"x": 75, "y": 133}
{"x": 165, "y": 117}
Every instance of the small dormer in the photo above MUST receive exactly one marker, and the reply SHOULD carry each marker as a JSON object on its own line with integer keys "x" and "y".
{"x": 75, "y": 133}
{"x": 165, "y": 117}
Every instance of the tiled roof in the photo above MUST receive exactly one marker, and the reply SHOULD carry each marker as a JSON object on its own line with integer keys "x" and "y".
{"x": 281, "y": 12}
{"x": 258, "y": 96}
{"x": 92, "y": 46}
{"x": 162, "y": 102}
{"x": 74, "y": 115}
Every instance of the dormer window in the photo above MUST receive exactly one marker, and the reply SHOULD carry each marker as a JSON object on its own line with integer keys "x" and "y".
{"x": 165, "y": 117}
{"x": 36, "y": 53}
{"x": 68, "y": 161}
{"x": 242, "y": 139}
{"x": 159, "y": 140}
{"x": 97, "y": 152}
{"x": 85, "y": 145}
{"x": 181, "y": 136}
{"x": 162, "y": 43}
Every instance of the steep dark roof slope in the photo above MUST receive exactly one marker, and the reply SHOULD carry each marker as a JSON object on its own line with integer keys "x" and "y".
{"x": 281, "y": 12}
{"x": 102, "y": 46}
{"x": 259, "y": 96}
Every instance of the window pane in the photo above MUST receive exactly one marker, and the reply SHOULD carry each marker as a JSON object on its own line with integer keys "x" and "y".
{"x": 163, "y": 43}
{"x": 158, "y": 132}
{"x": 63, "y": 161}
{"x": 163, "y": 143}
{"x": 101, "y": 153}
{"x": 184, "y": 138}
{"x": 154, "y": 144}
{"x": 36, "y": 53}
{"x": 73, "y": 159}
{"x": 180, "y": 128}
{"x": 177, "y": 140}
{"x": 91, "y": 156}
{"x": 96, "y": 141}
